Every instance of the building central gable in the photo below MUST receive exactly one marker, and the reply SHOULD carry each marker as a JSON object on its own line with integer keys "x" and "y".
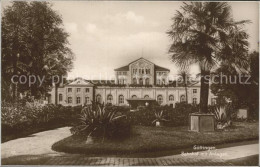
{"x": 80, "y": 82}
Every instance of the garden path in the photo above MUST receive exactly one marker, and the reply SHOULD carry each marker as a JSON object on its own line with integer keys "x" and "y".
{"x": 39, "y": 147}
{"x": 35, "y": 144}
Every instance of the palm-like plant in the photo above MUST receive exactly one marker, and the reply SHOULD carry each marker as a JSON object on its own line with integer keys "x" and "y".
{"x": 97, "y": 119}
{"x": 159, "y": 117}
{"x": 205, "y": 33}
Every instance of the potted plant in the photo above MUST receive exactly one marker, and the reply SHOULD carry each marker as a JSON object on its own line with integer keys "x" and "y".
{"x": 159, "y": 118}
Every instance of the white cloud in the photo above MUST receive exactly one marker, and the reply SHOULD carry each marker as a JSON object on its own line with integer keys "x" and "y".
{"x": 91, "y": 28}
{"x": 122, "y": 18}
{"x": 71, "y": 27}
{"x": 133, "y": 17}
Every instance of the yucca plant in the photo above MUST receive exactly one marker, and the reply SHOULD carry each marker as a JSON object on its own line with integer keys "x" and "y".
{"x": 98, "y": 120}
{"x": 221, "y": 115}
{"x": 159, "y": 117}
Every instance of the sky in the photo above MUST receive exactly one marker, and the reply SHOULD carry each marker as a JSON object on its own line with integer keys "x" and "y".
{"x": 105, "y": 35}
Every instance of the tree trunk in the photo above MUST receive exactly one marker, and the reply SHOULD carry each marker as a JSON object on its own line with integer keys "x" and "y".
{"x": 186, "y": 91}
{"x": 204, "y": 91}
{"x": 56, "y": 94}
{"x": 15, "y": 92}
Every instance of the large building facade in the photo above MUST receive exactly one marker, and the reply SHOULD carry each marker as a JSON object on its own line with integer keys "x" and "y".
{"x": 140, "y": 80}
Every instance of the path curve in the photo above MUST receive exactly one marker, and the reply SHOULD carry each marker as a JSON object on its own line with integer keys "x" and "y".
{"x": 35, "y": 144}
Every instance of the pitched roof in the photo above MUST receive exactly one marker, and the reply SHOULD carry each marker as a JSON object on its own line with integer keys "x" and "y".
{"x": 157, "y": 68}
{"x": 124, "y": 68}
{"x": 80, "y": 81}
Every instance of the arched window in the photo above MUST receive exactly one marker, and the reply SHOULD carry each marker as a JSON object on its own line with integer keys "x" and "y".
{"x": 160, "y": 99}
{"x": 134, "y": 96}
{"x": 141, "y": 81}
{"x": 182, "y": 99}
{"x": 98, "y": 99}
{"x": 147, "y": 81}
{"x": 60, "y": 97}
{"x": 171, "y": 98}
{"x": 146, "y": 96}
{"x": 121, "y": 99}
{"x": 109, "y": 99}
{"x": 134, "y": 81}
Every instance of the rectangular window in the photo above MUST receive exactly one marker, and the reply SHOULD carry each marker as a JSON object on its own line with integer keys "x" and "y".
{"x": 194, "y": 100}
{"x": 78, "y": 100}
{"x": 87, "y": 90}
{"x": 213, "y": 101}
{"x": 158, "y": 82}
{"x": 69, "y": 100}
{"x": 69, "y": 89}
{"x": 194, "y": 91}
{"x": 60, "y": 97}
{"x": 124, "y": 73}
{"x": 119, "y": 73}
{"x": 78, "y": 89}
{"x": 87, "y": 100}
{"x": 121, "y": 81}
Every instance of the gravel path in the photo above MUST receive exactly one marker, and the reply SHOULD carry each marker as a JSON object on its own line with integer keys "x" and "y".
{"x": 36, "y": 144}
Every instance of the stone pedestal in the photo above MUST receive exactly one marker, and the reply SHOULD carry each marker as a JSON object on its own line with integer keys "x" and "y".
{"x": 242, "y": 113}
{"x": 201, "y": 122}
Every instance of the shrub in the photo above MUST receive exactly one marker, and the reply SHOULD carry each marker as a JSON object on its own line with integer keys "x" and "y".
{"x": 178, "y": 116}
{"x": 19, "y": 119}
{"x": 159, "y": 117}
{"x": 223, "y": 114}
{"x": 100, "y": 121}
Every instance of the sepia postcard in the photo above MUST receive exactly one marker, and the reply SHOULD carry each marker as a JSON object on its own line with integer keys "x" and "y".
{"x": 130, "y": 83}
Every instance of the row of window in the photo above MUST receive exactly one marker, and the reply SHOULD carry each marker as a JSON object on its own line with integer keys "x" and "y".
{"x": 142, "y": 71}
{"x": 122, "y": 73}
{"x": 141, "y": 81}
{"x": 160, "y": 81}
{"x": 79, "y": 90}
{"x": 161, "y": 73}
{"x": 78, "y": 100}
{"x": 121, "y": 99}
{"x": 122, "y": 81}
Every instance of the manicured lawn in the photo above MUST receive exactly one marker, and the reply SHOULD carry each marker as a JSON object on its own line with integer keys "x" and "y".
{"x": 154, "y": 139}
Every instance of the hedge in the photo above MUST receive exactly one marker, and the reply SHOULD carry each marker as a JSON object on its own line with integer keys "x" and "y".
{"x": 19, "y": 120}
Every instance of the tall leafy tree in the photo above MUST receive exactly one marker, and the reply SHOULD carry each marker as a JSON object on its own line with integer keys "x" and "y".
{"x": 205, "y": 33}
{"x": 34, "y": 31}
{"x": 241, "y": 88}
{"x": 14, "y": 52}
